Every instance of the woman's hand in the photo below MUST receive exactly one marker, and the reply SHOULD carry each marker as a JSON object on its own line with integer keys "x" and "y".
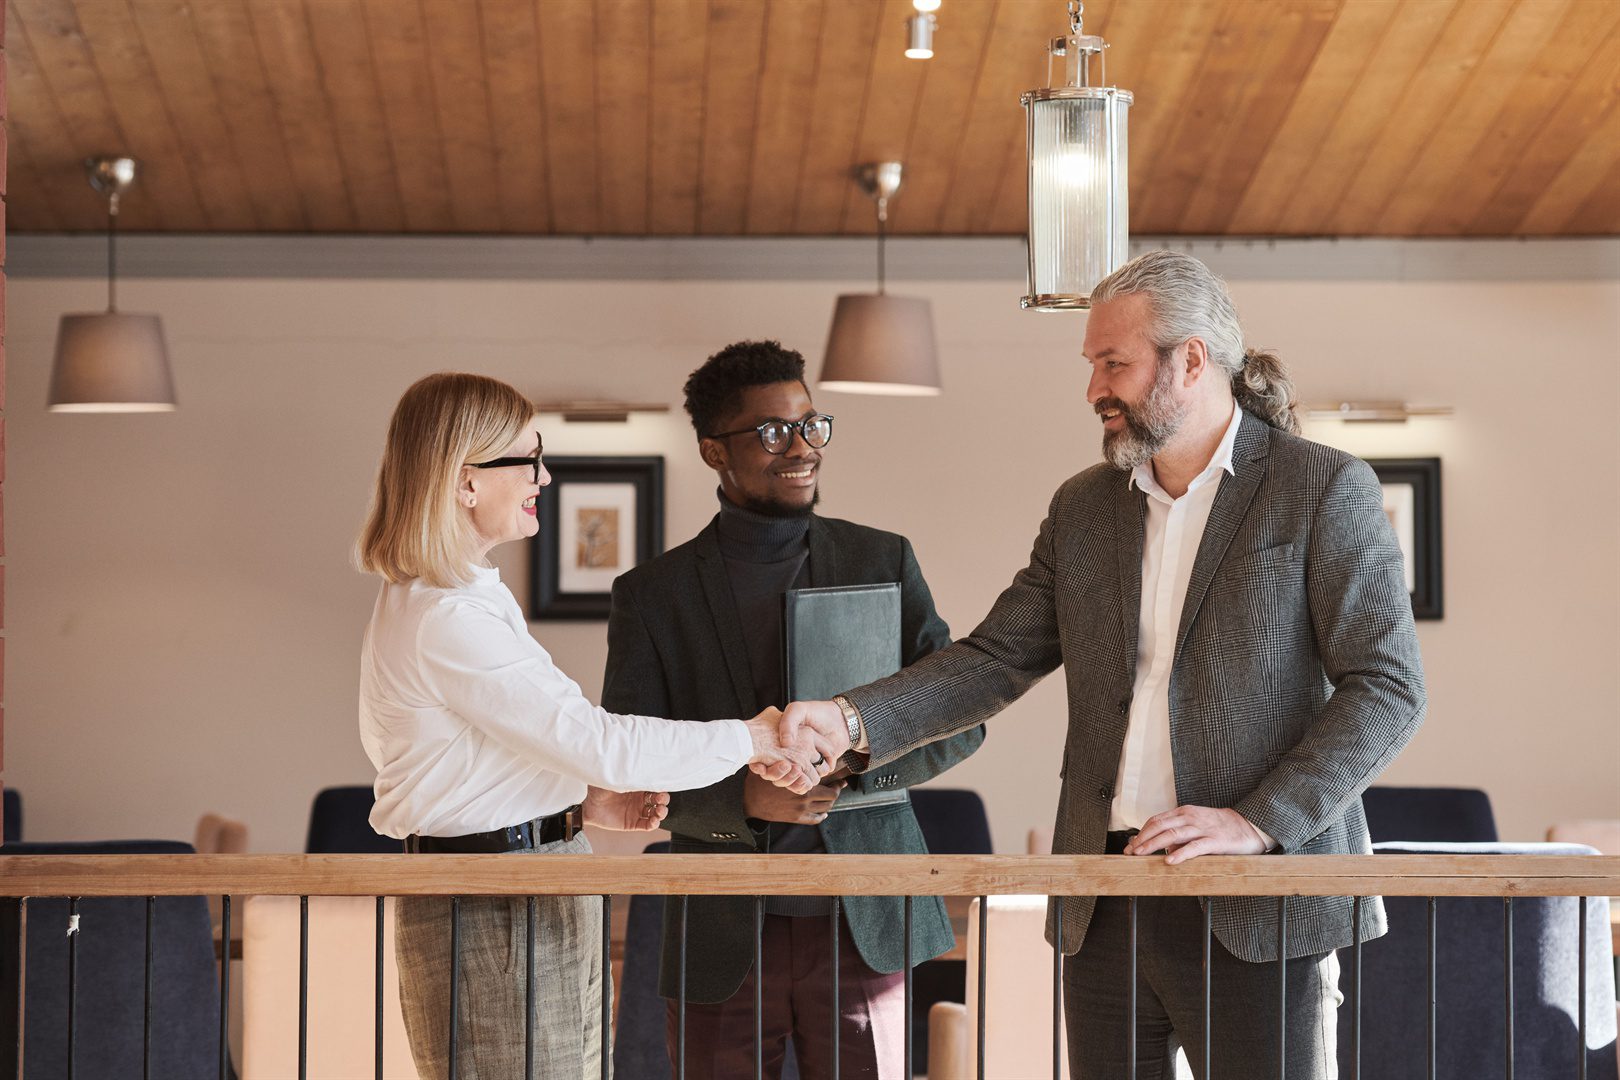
{"x": 625, "y": 811}
{"x": 797, "y": 767}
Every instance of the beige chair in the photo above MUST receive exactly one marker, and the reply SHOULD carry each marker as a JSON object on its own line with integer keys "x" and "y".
{"x": 341, "y": 990}
{"x": 1018, "y": 999}
{"x": 1596, "y": 832}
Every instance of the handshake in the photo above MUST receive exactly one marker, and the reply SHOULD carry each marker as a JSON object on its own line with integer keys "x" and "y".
{"x": 796, "y": 748}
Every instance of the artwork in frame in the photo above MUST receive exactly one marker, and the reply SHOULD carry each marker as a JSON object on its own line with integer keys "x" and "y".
{"x": 1412, "y": 503}
{"x": 599, "y": 516}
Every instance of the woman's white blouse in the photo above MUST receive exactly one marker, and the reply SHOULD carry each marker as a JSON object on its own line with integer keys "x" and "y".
{"x": 472, "y": 727}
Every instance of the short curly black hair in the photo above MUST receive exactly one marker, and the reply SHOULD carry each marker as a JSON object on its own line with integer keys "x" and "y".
{"x": 714, "y": 391}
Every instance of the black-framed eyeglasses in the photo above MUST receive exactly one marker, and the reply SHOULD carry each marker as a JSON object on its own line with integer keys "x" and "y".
{"x": 776, "y": 435}
{"x": 513, "y": 462}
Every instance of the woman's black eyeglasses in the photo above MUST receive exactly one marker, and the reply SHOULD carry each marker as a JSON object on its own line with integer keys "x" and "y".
{"x": 777, "y": 435}
{"x": 513, "y": 462}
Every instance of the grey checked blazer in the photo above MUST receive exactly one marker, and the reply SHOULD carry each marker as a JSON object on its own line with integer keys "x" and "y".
{"x": 1296, "y": 677}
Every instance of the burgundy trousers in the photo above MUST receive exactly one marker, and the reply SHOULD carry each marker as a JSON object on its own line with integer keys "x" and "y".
{"x": 797, "y": 1000}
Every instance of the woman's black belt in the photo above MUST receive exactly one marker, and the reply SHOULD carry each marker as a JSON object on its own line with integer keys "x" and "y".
{"x": 563, "y": 825}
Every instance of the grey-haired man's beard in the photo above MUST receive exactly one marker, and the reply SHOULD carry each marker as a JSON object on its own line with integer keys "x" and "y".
{"x": 772, "y": 508}
{"x": 1148, "y": 426}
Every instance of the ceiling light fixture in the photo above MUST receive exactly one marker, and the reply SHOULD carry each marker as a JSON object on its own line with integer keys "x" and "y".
{"x": 1078, "y": 199}
{"x": 920, "y": 30}
{"x": 881, "y": 344}
{"x": 111, "y": 362}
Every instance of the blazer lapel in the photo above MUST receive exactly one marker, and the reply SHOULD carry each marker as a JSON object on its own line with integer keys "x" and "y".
{"x": 1232, "y": 501}
{"x": 1129, "y": 513}
{"x": 723, "y": 609}
{"x": 823, "y": 557}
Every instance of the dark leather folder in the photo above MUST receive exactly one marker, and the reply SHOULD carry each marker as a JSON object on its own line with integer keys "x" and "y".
{"x": 836, "y": 639}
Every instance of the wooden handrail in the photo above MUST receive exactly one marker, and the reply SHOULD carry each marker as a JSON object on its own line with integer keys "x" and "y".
{"x": 808, "y": 875}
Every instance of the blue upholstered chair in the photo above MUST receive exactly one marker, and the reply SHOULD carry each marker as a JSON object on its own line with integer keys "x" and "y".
{"x": 109, "y": 1002}
{"x": 13, "y": 813}
{"x": 339, "y": 824}
{"x": 1429, "y": 815}
{"x": 953, "y": 822}
{"x": 1470, "y": 1007}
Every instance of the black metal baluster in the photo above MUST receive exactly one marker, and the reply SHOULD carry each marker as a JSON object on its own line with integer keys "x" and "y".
{"x": 837, "y": 1009}
{"x": 528, "y": 991}
{"x": 984, "y": 962}
{"x": 1507, "y": 973}
{"x": 1209, "y": 937}
{"x": 224, "y": 986}
{"x": 906, "y": 908}
{"x": 1580, "y": 996}
{"x": 1434, "y": 990}
{"x": 1057, "y": 993}
{"x": 1130, "y": 1000}
{"x": 455, "y": 979}
{"x": 680, "y": 1002}
{"x": 377, "y": 1003}
{"x": 607, "y": 986}
{"x": 1355, "y": 988}
{"x": 1282, "y": 988}
{"x": 73, "y": 978}
{"x": 303, "y": 987}
{"x": 146, "y": 993}
{"x": 759, "y": 987}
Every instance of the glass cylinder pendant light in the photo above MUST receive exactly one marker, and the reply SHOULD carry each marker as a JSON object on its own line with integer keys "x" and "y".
{"x": 1078, "y": 199}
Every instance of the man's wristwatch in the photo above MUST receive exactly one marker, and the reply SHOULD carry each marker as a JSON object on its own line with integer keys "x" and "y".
{"x": 852, "y": 720}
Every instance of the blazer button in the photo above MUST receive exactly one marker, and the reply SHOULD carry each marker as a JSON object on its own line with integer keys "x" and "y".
{"x": 1125, "y": 705}
{"x": 1105, "y": 792}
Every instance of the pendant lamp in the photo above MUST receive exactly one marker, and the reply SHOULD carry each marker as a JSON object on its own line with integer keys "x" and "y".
{"x": 111, "y": 361}
{"x": 1078, "y": 198}
{"x": 881, "y": 344}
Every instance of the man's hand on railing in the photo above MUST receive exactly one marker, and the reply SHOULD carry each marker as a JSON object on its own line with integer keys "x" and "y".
{"x": 787, "y": 762}
{"x": 625, "y": 811}
{"x": 821, "y": 723}
{"x": 1190, "y": 831}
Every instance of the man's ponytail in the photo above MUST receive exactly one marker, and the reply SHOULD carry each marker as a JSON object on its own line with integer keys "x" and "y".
{"x": 1262, "y": 387}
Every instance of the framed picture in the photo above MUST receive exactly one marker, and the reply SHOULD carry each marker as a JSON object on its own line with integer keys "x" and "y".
{"x": 1412, "y": 503}
{"x": 599, "y": 516}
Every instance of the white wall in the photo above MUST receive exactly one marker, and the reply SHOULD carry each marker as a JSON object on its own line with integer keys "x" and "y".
{"x": 183, "y": 621}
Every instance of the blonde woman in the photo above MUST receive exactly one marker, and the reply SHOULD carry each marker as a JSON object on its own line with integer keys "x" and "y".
{"x": 482, "y": 745}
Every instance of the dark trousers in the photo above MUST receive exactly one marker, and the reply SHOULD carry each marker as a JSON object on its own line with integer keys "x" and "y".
{"x": 797, "y": 1000}
{"x": 1170, "y": 1000}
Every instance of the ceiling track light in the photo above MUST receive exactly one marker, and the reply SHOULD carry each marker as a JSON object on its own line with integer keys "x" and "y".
{"x": 920, "y": 31}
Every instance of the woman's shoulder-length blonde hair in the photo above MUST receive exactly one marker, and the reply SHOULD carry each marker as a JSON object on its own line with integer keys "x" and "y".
{"x": 414, "y": 528}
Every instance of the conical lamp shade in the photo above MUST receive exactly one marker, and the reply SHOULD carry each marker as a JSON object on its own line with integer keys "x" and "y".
{"x": 881, "y": 344}
{"x": 111, "y": 362}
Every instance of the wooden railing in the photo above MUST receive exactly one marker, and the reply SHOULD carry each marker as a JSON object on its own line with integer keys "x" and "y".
{"x": 808, "y": 875}
{"x": 757, "y": 876}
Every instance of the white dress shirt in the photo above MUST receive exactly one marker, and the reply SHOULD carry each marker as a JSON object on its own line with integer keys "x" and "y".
{"x": 1174, "y": 528}
{"x": 472, "y": 726}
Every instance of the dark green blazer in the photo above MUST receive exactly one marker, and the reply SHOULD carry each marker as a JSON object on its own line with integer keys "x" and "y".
{"x": 675, "y": 648}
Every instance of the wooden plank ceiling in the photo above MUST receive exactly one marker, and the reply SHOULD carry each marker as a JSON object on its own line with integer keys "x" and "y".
{"x": 725, "y": 117}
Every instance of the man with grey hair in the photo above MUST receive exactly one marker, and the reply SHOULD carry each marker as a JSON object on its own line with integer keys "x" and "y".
{"x": 1228, "y": 604}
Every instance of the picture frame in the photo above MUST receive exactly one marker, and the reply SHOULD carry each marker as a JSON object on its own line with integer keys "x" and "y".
{"x": 1412, "y": 502}
{"x": 599, "y": 516}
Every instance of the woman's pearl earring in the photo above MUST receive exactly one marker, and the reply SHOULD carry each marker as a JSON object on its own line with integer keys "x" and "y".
{"x": 471, "y": 502}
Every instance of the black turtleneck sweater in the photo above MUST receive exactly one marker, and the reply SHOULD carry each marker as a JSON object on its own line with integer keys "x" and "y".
{"x": 765, "y": 556}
